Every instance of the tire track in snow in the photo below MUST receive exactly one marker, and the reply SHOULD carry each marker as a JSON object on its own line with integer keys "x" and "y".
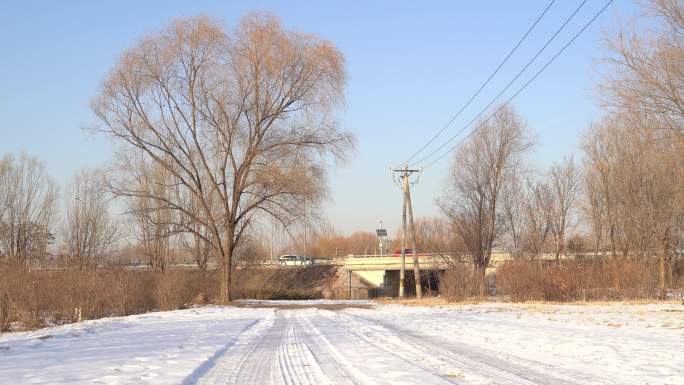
{"x": 280, "y": 350}
{"x": 444, "y": 361}
{"x": 233, "y": 360}
{"x": 367, "y": 362}
{"x": 535, "y": 371}
{"x": 337, "y": 368}
{"x": 295, "y": 366}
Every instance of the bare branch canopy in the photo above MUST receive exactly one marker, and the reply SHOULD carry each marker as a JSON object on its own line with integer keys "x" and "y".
{"x": 242, "y": 121}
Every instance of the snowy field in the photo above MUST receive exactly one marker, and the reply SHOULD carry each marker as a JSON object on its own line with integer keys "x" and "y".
{"x": 386, "y": 344}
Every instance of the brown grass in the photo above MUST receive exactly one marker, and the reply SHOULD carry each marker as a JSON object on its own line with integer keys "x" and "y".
{"x": 458, "y": 283}
{"x": 571, "y": 281}
{"x": 426, "y": 301}
{"x": 34, "y": 299}
{"x": 288, "y": 283}
{"x": 577, "y": 280}
{"x": 292, "y": 306}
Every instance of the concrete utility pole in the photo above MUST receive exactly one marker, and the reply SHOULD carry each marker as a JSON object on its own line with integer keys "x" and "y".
{"x": 416, "y": 268}
{"x": 402, "y": 271}
{"x": 405, "y": 173}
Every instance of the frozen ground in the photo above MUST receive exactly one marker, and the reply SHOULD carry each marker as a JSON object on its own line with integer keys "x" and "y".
{"x": 388, "y": 344}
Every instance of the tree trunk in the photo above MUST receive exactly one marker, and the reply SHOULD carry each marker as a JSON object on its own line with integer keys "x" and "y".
{"x": 229, "y": 276}
{"x": 669, "y": 267}
{"x": 228, "y": 260}
{"x": 661, "y": 276}
{"x": 480, "y": 280}
{"x": 223, "y": 279}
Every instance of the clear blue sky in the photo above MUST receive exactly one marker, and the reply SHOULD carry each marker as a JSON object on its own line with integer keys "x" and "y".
{"x": 411, "y": 66}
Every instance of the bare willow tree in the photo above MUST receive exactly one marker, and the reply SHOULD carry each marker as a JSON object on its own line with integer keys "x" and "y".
{"x": 643, "y": 197}
{"x": 5, "y": 172}
{"x": 647, "y": 67}
{"x": 244, "y": 122}
{"x": 153, "y": 218}
{"x": 482, "y": 168}
{"x": 564, "y": 182}
{"x": 643, "y": 134}
{"x": 152, "y": 232}
{"x": 536, "y": 217}
{"x": 513, "y": 210}
{"x": 593, "y": 209}
{"x": 433, "y": 235}
{"x": 89, "y": 230}
{"x": 197, "y": 245}
{"x": 27, "y": 209}
{"x": 600, "y": 144}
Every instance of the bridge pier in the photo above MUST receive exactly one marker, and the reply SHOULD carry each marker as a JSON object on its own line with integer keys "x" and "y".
{"x": 390, "y": 284}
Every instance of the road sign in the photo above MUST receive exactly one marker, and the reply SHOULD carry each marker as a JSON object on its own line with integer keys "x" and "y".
{"x": 381, "y": 232}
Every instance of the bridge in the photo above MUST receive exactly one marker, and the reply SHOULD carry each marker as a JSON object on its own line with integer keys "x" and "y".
{"x": 380, "y": 273}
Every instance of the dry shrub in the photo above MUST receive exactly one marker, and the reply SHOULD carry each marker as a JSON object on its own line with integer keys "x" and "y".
{"x": 34, "y": 299}
{"x": 577, "y": 280}
{"x": 677, "y": 274}
{"x": 133, "y": 292}
{"x": 282, "y": 294}
{"x": 170, "y": 289}
{"x": 178, "y": 288}
{"x": 4, "y": 310}
{"x": 458, "y": 282}
{"x": 86, "y": 294}
{"x": 38, "y": 298}
{"x": 287, "y": 283}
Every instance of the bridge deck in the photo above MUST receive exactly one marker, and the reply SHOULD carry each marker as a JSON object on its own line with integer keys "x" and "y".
{"x": 393, "y": 262}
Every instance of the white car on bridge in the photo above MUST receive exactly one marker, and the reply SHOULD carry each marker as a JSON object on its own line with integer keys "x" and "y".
{"x": 294, "y": 260}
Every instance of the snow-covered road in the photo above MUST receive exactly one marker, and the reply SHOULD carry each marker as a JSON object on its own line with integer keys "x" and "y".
{"x": 387, "y": 344}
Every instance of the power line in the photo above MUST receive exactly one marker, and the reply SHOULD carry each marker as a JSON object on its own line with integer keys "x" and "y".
{"x": 523, "y": 86}
{"x": 483, "y": 84}
{"x": 539, "y": 52}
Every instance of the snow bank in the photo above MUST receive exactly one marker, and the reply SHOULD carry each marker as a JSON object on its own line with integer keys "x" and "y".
{"x": 154, "y": 348}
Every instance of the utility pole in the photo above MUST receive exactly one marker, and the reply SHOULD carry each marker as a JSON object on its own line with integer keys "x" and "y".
{"x": 405, "y": 172}
{"x": 416, "y": 268}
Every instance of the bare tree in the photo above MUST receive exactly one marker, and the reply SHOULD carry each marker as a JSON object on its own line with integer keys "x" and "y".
{"x": 593, "y": 208}
{"x": 643, "y": 195}
{"x": 513, "y": 208}
{"x": 27, "y": 209}
{"x": 199, "y": 249}
{"x": 89, "y": 230}
{"x": 644, "y": 89}
{"x": 434, "y": 235}
{"x": 153, "y": 217}
{"x": 647, "y": 67}
{"x": 482, "y": 169}
{"x": 536, "y": 213}
{"x": 564, "y": 183}
{"x": 243, "y": 122}
{"x": 5, "y": 172}
{"x": 600, "y": 146}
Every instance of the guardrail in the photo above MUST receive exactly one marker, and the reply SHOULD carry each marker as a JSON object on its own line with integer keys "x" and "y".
{"x": 374, "y": 262}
